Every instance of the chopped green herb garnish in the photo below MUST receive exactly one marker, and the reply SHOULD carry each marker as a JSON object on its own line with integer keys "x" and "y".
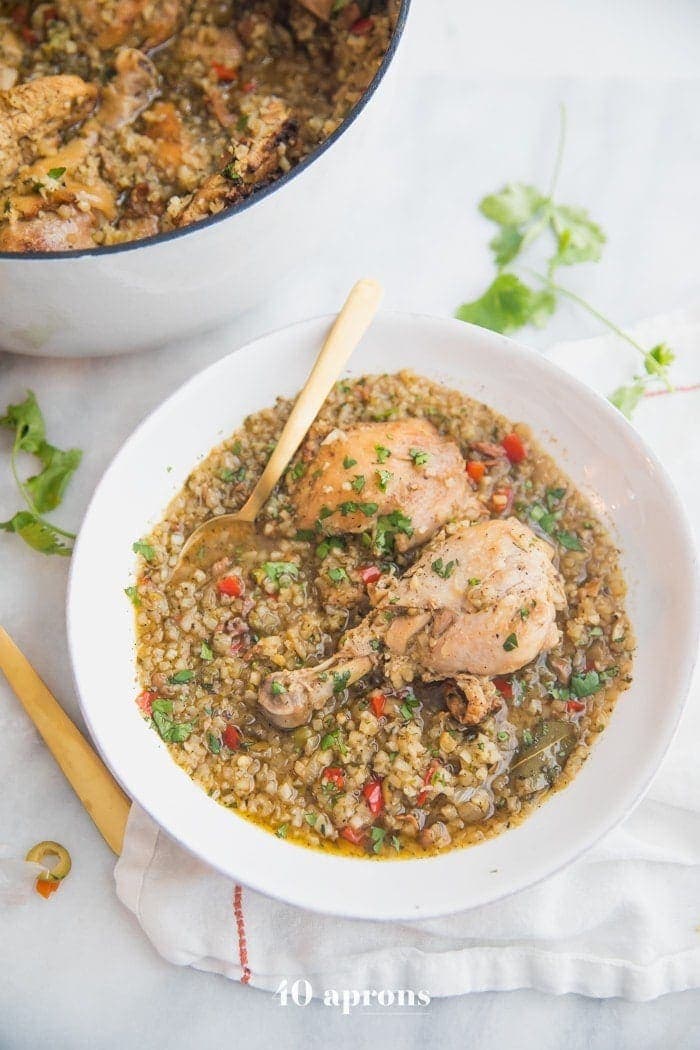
{"x": 337, "y": 575}
{"x": 554, "y": 496}
{"x": 377, "y": 836}
{"x": 277, "y": 688}
{"x": 349, "y": 462}
{"x": 524, "y": 613}
{"x": 340, "y": 681}
{"x": 214, "y": 743}
{"x": 368, "y": 509}
{"x": 527, "y": 737}
{"x": 170, "y": 731}
{"x": 282, "y": 831}
{"x": 511, "y": 643}
{"x": 419, "y": 457}
{"x": 144, "y": 549}
{"x": 408, "y": 707}
{"x": 348, "y": 507}
{"x": 229, "y": 172}
{"x": 387, "y": 526}
{"x": 56, "y": 173}
{"x": 358, "y": 482}
{"x": 382, "y": 453}
{"x": 585, "y": 684}
{"x": 329, "y": 544}
{"x": 473, "y": 581}
{"x": 311, "y": 819}
{"x": 206, "y": 652}
{"x": 298, "y": 470}
{"x": 280, "y": 571}
{"x": 569, "y": 540}
{"x": 308, "y": 535}
{"x": 133, "y": 596}
{"x": 180, "y": 677}
{"x": 442, "y": 570}
{"x": 383, "y": 479}
{"x": 396, "y": 842}
{"x": 325, "y": 512}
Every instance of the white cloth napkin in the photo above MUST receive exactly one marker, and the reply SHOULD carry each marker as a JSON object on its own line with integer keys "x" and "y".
{"x": 622, "y": 921}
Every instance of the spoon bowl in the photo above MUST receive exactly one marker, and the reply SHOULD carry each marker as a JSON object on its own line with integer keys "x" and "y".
{"x": 218, "y": 536}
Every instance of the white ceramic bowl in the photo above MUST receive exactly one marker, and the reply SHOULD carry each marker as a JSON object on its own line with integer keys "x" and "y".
{"x": 605, "y": 458}
{"x": 147, "y": 293}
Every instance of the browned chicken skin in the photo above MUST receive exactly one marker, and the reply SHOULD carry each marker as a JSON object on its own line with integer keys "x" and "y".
{"x": 134, "y": 23}
{"x": 480, "y": 601}
{"x": 373, "y": 469}
{"x": 254, "y": 157}
{"x": 33, "y": 114}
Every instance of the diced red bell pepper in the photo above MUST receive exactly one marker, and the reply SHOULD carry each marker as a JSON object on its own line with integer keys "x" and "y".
{"x": 515, "y": 450}
{"x": 231, "y": 585}
{"x": 378, "y": 703}
{"x": 45, "y": 887}
{"x": 225, "y": 73}
{"x": 504, "y": 687}
{"x": 145, "y": 701}
{"x": 335, "y": 775}
{"x": 29, "y": 35}
{"x": 353, "y": 836}
{"x": 250, "y": 85}
{"x": 427, "y": 780}
{"x": 372, "y": 791}
{"x": 232, "y": 738}
{"x": 362, "y": 27}
{"x": 476, "y": 469}
{"x": 575, "y": 705}
{"x": 370, "y": 573}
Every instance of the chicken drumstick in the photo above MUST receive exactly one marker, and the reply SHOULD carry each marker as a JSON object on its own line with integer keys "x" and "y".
{"x": 480, "y": 601}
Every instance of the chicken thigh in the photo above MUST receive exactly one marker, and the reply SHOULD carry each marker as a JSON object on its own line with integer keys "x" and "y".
{"x": 363, "y": 475}
{"x": 480, "y": 601}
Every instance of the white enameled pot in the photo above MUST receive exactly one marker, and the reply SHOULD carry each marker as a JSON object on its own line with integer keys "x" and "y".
{"x": 143, "y": 294}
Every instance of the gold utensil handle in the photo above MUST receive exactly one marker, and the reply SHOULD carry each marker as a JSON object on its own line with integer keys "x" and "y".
{"x": 350, "y": 325}
{"x": 92, "y": 782}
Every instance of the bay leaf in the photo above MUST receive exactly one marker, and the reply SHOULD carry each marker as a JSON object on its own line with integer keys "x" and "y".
{"x": 553, "y": 740}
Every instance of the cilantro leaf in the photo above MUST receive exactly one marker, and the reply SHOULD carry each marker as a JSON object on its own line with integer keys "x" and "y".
{"x": 28, "y": 423}
{"x": 514, "y": 205}
{"x": 507, "y": 305}
{"x": 579, "y": 239}
{"x": 38, "y": 534}
{"x": 146, "y": 551}
{"x": 506, "y": 245}
{"x": 47, "y": 488}
{"x": 170, "y": 731}
{"x": 658, "y": 360}
{"x": 626, "y": 398}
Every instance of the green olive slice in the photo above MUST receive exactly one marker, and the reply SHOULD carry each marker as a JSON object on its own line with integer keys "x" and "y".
{"x": 45, "y": 849}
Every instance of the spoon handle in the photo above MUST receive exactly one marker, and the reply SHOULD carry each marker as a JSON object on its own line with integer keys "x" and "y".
{"x": 350, "y": 325}
{"x": 92, "y": 782}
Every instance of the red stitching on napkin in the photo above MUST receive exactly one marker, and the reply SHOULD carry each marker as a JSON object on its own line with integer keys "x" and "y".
{"x": 674, "y": 390}
{"x": 240, "y": 930}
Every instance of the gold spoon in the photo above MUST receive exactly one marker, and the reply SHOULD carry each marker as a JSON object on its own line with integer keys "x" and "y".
{"x": 220, "y": 536}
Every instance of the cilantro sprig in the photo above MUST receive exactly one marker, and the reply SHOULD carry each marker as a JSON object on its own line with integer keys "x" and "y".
{"x": 524, "y": 215}
{"x": 43, "y": 491}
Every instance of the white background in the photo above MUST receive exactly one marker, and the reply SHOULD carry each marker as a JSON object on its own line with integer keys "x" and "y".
{"x": 477, "y": 99}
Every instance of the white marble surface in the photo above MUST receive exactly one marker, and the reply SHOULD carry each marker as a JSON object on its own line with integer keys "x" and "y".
{"x": 77, "y": 972}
